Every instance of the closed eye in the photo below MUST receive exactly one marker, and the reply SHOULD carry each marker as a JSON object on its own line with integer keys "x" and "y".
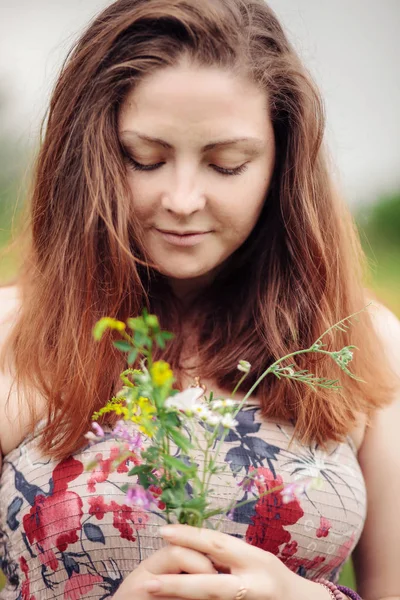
{"x": 136, "y": 166}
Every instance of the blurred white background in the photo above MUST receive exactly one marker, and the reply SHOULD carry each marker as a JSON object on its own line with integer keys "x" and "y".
{"x": 352, "y": 47}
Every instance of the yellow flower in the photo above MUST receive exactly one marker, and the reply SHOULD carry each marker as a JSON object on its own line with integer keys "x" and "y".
{"x": 147, "y": 409}
{"x": 144, "y": 417}
{"x": 161, "y": 373}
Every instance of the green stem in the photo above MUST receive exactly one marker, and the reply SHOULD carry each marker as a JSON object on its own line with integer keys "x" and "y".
{"x": 221, "y": 441}
{"x": 342, "y": 321}
{"x": 239, "y": 384}
{"x": 269, "y": 370}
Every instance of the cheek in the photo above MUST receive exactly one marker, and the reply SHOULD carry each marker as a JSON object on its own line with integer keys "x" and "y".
{"x": 142, "y": 198}
{"x": 241, "y": 212}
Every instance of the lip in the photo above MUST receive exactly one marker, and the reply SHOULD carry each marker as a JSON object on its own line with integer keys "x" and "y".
{"x": 187, "y": 238}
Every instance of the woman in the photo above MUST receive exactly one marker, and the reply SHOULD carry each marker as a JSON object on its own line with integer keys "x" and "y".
{"x": 182, "y": 169}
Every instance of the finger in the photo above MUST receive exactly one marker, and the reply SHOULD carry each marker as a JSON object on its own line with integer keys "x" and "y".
{"x": 175, "y": 559}
{"x": 194, "y": 587}
{"x": 223, "y": 549}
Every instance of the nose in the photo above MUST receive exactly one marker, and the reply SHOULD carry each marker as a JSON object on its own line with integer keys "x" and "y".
{"x": 183, "y": 196}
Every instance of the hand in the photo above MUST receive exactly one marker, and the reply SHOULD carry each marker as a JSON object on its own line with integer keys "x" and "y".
{"x": 169, "y": 560}
{"x": 238, "y": 564}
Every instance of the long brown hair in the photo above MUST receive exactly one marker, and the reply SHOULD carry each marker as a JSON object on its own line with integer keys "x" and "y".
{"x": 299, "y": 272}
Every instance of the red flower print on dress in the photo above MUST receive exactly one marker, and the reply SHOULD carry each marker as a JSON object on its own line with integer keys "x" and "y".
{"x": 289, "y": 549}
{"x": 297, "y": 564}
{"x": 123, "y": 515}
{"x": 54, "y": 520}
{"x": 104, "y": 467}
{"x": 25, "y": 589}
{"x": 98, "y": 507}
{"x": 272, "y": 515}
{"x": 339, "y": 558}
{"x": 324, "y": 527}
{"x": 79, "y": 585}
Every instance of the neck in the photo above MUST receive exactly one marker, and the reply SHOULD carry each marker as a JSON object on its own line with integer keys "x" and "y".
{"x": 186, "y": 290}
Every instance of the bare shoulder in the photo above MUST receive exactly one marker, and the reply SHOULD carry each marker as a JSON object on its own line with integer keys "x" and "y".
{"x": 379, "y": 458}
{"x": 387, "y": 326}
{"x": 14, "y": 420}
{"x": 9, "y": 306}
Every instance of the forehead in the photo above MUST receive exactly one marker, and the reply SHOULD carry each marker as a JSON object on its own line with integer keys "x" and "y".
{"x": 197, "y": 105}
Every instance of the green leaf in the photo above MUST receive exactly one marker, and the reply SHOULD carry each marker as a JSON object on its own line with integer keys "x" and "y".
{"x": 151, "y": 455}
{"x": 198, "y": 503}
{"x": 141, "y": 339}
{"x": 132, "y": 356}
{"x": 137, "y": 324}
{"x": 175, "y": 463}
{"x": 122, "y": 345}
{"x": 160, "y": 341}
{"x": 144, "y": 480}
{"x": 136, "y": 470}
{"x": 173, "y": 497}
{"x": 170, "y": 421}
{"x": 180, "y": 440}
{"x": 167, "y": 335}
{"x": 151, "y": 321}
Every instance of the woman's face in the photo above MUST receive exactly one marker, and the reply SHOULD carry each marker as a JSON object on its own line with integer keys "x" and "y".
{"x": 200, "y": 154}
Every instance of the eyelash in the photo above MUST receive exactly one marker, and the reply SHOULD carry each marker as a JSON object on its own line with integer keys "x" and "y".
{"x": 139, "y": 167}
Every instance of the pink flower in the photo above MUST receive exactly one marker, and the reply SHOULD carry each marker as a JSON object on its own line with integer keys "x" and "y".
{"x": 140, "y": 497}
{"x": 134, "y": 439}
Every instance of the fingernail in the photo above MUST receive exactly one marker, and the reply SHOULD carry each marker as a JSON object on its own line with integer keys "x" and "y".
{"x": 166, "y": 532}
{"x": 152, "y": 586}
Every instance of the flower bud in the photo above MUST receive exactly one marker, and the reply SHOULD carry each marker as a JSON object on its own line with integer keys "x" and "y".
{"x": 244, "y": 366}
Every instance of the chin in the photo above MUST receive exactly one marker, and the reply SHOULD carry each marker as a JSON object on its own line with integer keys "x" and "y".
{"x": 186, "y": 272}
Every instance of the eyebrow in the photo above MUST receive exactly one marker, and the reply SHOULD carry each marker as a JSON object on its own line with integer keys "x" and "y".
{"x": 229, "y": 142}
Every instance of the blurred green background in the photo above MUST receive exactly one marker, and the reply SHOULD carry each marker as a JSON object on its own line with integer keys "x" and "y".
{"x": 378, "y": 223}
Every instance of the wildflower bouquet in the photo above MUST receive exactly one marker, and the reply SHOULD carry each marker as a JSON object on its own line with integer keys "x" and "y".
{"x": 160, "y": 427}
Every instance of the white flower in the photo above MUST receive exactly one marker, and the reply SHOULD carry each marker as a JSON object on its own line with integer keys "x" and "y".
{"x": 218, "y": 404}
{"x": 213, "y": 420}
{"x": 244, "y": 366}
{"x": 287, "y": 370}
{"x": 186, "y": 400}
{"x": 228, "y": 421}
{"x": 202, "y": 411}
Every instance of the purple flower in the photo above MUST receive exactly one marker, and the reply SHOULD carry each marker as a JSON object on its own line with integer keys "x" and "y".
{"x": 134, "y": 439}
{"x": 99, "y": 430}
{"x": 140, "y": 497}
{"x": 231, "y": 514}
{"x": 95, "y": 437}
{"x": 248, "y": 484}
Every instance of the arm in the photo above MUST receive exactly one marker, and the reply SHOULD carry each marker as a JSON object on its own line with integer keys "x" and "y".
{"x": 9, "y": 408}
{"x": 377, "y": 556}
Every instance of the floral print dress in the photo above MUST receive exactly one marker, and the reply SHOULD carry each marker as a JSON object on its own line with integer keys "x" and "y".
{"x": 67, "y": 532}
